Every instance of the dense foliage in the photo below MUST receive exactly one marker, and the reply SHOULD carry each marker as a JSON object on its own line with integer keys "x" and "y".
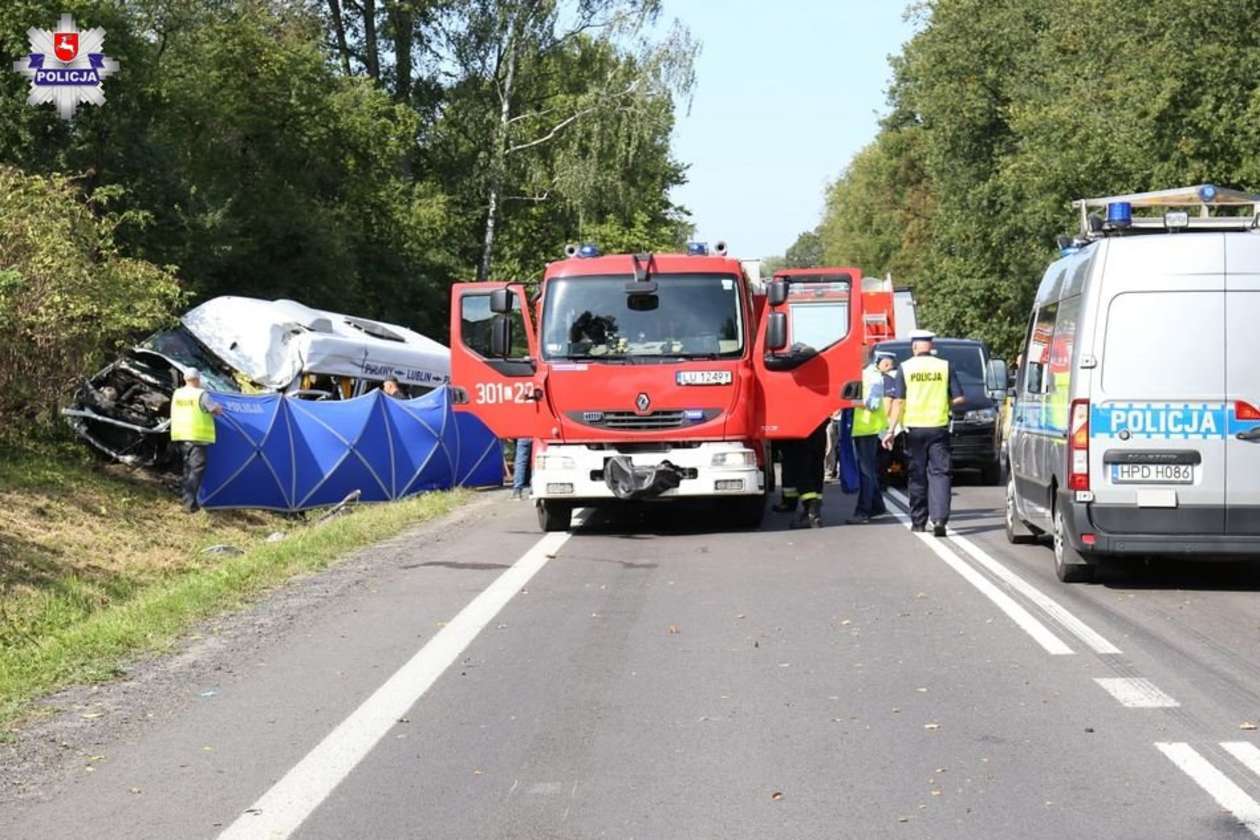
{"x": 359, "y": 155}
{"x": 344, "y": 153}
{"x": 1002, "y": 113}
{"x": 66, "y": 295}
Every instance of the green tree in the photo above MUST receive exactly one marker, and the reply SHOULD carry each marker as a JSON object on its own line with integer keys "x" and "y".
{"x": 67, "y": 296}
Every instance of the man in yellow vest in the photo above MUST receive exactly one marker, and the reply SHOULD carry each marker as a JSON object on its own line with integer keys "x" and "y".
{"x": 192, "y": 429}
{"x": 924, "y": 392}
{"x": 869, "y": 423}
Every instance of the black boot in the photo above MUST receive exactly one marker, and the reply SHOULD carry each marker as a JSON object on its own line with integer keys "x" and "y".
{"x": 810, "y": 515}
{"x": 785, "y": 505}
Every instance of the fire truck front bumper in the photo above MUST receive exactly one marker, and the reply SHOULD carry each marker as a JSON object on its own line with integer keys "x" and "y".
{"x": 581, "y": 472}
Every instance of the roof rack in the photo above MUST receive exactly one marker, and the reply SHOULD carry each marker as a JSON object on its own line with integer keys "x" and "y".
{"x": 1120, "y": 219}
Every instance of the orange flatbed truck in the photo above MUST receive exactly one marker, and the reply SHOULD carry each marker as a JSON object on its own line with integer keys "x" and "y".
{"x": 655, "y": 377}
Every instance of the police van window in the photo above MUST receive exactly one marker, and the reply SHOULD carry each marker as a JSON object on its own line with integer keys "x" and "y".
{"x": 475, "y": 320}
{"x": 1165, "y": 345}
{"x": 1037, "y": 357}
{"x": 818, "y": 312}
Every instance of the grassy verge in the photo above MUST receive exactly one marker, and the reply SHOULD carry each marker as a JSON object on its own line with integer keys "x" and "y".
{"x": 98, "y": 563}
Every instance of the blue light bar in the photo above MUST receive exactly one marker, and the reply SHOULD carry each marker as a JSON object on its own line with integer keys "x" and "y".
{"x": 588, "y": 250}
{"x": 697, "y": 249}
{"x": 1207, "y": 192}
{"x": 1119, "y": 214}
{"x": 694, "y": 414}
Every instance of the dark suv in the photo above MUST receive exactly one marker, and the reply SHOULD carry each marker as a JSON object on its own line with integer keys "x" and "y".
{"x": 975, "y": 433}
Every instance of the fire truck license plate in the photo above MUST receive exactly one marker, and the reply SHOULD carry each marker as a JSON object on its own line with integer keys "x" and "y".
{"x": 1152, "y": 474}
{"x": 703, "y": 377}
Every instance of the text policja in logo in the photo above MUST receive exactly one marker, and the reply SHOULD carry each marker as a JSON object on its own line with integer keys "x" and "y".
{"x": 66, "y": 67}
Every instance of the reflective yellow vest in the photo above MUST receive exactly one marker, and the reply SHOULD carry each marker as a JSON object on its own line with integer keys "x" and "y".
{"x": 188, "y": 421}
{"x": 865, "y": 421}
{"x": 927, "y": 392}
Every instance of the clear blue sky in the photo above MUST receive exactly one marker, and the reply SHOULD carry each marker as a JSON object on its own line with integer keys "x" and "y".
{"x": 787, "y": 91}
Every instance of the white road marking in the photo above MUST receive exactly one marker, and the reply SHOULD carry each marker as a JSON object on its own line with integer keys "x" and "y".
{"x": 279, "y": 812}
{"x": 1091, "y": 638}
{"x": 1227, "y": 794}
{"x": 1246, "y": 752}
{"x": 1136, "y": 693}
{"x": 1030, "y": 625}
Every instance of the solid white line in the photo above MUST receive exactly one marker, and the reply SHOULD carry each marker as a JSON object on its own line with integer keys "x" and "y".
{"x": 292, "y": 799}
{"x": 1136, "y": 693}
{"x": 1227, "y": 794}
{"x": 1040, "y": 633}
{"x": 1092, "y": 639}
{"x": 1246, "y": 752}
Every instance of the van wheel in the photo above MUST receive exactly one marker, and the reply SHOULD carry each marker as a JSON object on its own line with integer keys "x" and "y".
{"x": 1069, "y": 564}
{"x": 750, "y": 511}
{"x": 1016, "y": 531}
{"x": 554, "y": 516}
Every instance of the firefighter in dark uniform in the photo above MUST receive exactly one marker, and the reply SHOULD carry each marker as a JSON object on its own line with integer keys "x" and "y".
{"x": 802, "y": 464}
{"x": 925, "y": 390}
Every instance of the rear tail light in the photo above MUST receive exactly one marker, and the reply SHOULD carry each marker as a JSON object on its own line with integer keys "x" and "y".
{"x": 1246, "y": 411}
{"x": 1089, "y": 539}
{"x": 1078, "y": 446}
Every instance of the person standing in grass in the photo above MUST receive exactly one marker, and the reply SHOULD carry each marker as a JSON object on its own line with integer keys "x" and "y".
{"x": 192, "y": 429}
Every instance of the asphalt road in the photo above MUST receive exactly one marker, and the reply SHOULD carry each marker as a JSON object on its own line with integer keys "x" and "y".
{"x": 657, "y": 677}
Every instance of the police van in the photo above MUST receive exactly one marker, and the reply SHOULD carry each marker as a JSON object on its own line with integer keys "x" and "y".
{"x": 1136, "y": 424}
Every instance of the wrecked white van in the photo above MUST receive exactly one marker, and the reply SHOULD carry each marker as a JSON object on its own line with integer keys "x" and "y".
{"x": 246, "y": 345}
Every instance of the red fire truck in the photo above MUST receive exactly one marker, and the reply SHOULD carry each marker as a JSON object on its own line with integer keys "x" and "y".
{"x": 655, "y": 376}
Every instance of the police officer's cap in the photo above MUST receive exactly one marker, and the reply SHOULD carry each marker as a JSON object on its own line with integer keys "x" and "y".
{"x": 885, "y": 354}
{"x": 922, "y": 335}
{"x": 192, "y": 375}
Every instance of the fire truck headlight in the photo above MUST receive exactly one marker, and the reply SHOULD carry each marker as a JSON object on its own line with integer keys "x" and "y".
{"x": 734, "y": 459}
{"x": 555, "y": 462}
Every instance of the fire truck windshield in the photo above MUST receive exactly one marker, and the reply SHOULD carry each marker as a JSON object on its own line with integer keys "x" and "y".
{"x": 686, "y": 316}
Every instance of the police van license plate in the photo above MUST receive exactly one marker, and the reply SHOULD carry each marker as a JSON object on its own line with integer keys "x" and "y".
{"x": 1152, "y": 474}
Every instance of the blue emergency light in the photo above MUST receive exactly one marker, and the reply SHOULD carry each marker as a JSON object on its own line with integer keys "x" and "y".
{"x": 697, "y": 249}
{"x": 1207, "y": 193}
{"x": 694, "y": 414}
{"x": 1119, "y": 214}
{"x": 588, "y": 250}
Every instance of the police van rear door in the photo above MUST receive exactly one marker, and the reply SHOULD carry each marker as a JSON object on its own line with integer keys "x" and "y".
{"x": 1157, "y": 450}
{"x": 1242, "y": 382}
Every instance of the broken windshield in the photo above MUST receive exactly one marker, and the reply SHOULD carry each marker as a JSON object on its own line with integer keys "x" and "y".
{"x": 685, "y": 316}
{"x": 182, "y": 347}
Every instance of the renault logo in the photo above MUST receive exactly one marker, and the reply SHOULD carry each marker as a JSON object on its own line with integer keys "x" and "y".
{"x": 643, "y": 403}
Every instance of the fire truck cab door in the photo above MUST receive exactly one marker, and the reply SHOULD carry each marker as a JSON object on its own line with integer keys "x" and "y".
{"x": 504, "y": 392}
{"x": 806, "y": 381}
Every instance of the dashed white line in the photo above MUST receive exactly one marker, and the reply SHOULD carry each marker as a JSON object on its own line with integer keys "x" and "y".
{"x": 1246, "y": 752}
{"x": 1090, "y": 637}
{"x": 1227, "y": 794}
{"x": 1136, "y": 693}
{"x": 1024, "y": 619}
{"x": 292, "y": 799}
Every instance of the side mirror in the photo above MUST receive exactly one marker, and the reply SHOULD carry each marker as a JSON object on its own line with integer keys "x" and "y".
{"x": 776, "y": 331}
{"x": 501, "y": 301}
{"x": 501, "y": 336}
{"x": 998, "y": 375}
{"x": 777, "y": 292}
{"x": 852, "y": 390}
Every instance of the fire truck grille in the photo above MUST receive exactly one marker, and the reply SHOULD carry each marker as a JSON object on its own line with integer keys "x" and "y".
{"x": 632, "y": 421}
{"x": 654, "y": 420}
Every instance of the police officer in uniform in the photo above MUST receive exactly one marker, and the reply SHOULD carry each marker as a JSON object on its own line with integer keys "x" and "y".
{"x": 924, "y": 391}
{"x": 869, "y": 423}
{"x": 192, "y": 429}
